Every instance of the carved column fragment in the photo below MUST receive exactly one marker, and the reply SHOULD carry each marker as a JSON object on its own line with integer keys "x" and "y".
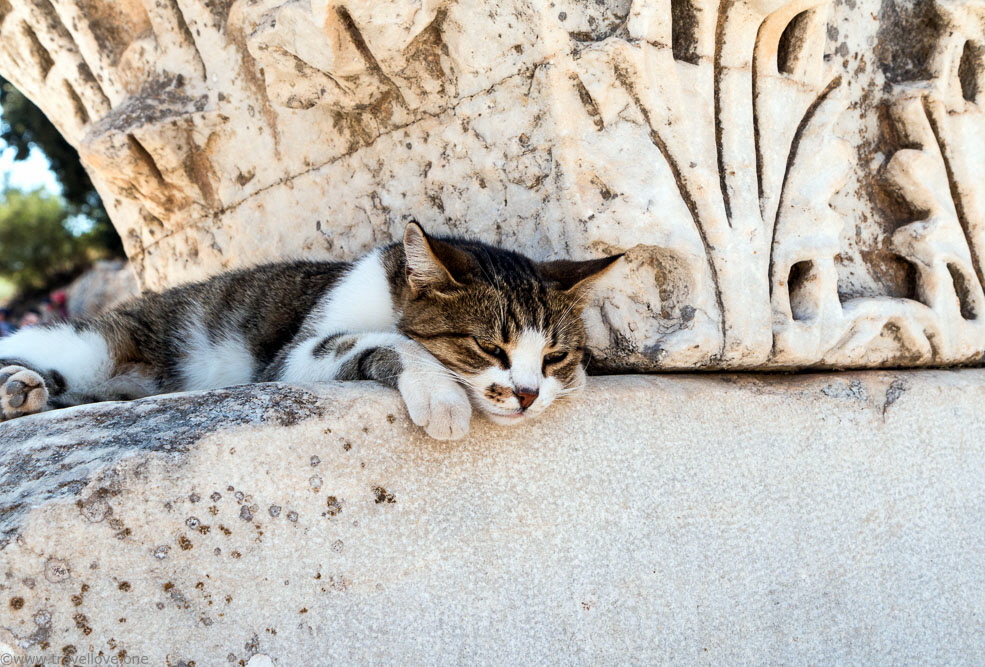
{"x": 795, "y": 182}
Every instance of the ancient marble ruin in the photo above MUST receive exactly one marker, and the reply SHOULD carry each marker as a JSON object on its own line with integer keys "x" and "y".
{"x": 797, "y": 185}
{"x": 794, "y": 182}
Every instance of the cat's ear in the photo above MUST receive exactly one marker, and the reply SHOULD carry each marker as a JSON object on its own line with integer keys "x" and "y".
{"x": 433, "y": 264}
{"x": 576, "y": 278}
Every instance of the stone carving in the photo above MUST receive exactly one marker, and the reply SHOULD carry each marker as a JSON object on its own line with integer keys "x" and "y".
{"x": 939, "y": 231}
{"x": 793, "y": 182}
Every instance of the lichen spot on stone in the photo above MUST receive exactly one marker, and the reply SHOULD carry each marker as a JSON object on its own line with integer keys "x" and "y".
{"x": 56, "y": 570}
{"x": 383, "y": 496}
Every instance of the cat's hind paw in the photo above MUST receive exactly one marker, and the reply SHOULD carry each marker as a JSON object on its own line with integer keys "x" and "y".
{"x": 22, "y": 392}
{"x": 444, "y": 411}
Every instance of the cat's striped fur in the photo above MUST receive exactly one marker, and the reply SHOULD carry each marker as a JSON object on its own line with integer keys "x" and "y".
{"x": 451, "y": 323}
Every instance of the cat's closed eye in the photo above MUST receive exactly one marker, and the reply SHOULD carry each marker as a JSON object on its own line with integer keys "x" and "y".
{"x": 555, "y": 357}
{"x": 493, "y": 350}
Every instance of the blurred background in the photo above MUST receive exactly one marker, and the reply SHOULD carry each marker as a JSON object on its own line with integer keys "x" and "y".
{"x": 59, "y": 254}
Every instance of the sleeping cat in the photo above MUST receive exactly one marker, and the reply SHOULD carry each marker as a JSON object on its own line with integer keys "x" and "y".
{"x": 450, "y": 323}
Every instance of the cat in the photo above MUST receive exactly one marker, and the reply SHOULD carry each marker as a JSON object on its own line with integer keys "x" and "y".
{"x": 450, "y": 323}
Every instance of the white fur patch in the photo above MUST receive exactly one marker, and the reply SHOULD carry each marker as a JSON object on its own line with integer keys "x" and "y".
{"x": 360, "y": 302}
{"x": 82, "y": 358}
{"x": 302, "y": 365}
{"x": 213, "y": 364}
{"x": 527, "y": 360}
{"x": 434, "y": 398}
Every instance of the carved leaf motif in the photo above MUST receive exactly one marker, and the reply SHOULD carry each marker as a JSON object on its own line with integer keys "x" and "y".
{"x": 705, "y": 138}
{"x": 941, "y": 322}
{"x": 724, "y": 92}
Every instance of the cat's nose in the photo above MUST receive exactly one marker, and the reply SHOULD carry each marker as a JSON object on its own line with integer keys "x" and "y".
{"x": 526, "y": 397}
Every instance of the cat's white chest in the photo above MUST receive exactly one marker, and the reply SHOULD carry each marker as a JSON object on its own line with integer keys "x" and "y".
{"x": 360, "y": 302}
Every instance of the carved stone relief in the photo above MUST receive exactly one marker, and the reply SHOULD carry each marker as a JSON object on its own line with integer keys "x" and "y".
{"x": 794, "y": 182}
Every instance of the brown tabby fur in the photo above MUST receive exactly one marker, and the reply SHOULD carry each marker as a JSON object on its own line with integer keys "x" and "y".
{"x": 466, "y": 303}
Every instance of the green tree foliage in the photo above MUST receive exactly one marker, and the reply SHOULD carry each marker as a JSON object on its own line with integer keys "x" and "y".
{"x": 37, "y": 248}
{"x": 24, "y": 126}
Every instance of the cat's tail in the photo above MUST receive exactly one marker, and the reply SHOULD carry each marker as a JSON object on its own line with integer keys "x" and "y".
{"x": 53, "y": 366}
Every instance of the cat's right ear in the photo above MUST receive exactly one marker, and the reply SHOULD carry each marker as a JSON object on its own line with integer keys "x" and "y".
{"x": 577, "y": 278}
{"x": 433, "y": 265}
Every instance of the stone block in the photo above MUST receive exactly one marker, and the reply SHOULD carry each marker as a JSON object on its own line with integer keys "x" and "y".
{"x": 796, "y": 519}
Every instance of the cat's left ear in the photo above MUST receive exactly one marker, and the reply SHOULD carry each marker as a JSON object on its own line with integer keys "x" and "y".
{"x": 577, "y": 278}
{"x": 432, "y": 264}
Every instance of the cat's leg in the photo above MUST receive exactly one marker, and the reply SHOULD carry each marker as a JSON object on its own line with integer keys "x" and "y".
{"x": 434, "y": 396}
{"x": 23, "y": 391}
{"x": 58, "y": 366}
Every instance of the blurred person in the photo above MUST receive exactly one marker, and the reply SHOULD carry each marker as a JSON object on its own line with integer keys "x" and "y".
{"x": 46, "y": 312}
{"x": 59, "y": 304}
{"x": 6, "y": 327}
{"x": 30, "y": 319}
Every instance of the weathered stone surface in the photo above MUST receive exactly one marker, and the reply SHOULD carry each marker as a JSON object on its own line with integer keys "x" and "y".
{"x": 105, "y": 285}
{"x": 783, "y": 519}
{"x": 795, "y": 182}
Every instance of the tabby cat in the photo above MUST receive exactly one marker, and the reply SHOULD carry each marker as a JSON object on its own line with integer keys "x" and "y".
{"x": 451, "y": 323}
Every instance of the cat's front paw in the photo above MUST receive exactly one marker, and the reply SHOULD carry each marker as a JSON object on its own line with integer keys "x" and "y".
{"x": 22, "y": 392}
{"x": 442, "y": 408}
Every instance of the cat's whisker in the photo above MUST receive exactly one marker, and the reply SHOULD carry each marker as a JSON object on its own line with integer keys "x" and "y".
{"x": 434, "y": 369}
{"x": 426, "y": 373}
{"x": 420, "y": 363}
{"x": 396, "y": 376}
{"x": 587, "y": 358}
{"x": 565, "y": 320}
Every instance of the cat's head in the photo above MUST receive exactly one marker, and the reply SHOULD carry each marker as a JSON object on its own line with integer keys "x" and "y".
{"x": 508, "y": 327}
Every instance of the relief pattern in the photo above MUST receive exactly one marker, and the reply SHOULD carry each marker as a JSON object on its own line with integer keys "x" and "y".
{"x": 793, "y": 184}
